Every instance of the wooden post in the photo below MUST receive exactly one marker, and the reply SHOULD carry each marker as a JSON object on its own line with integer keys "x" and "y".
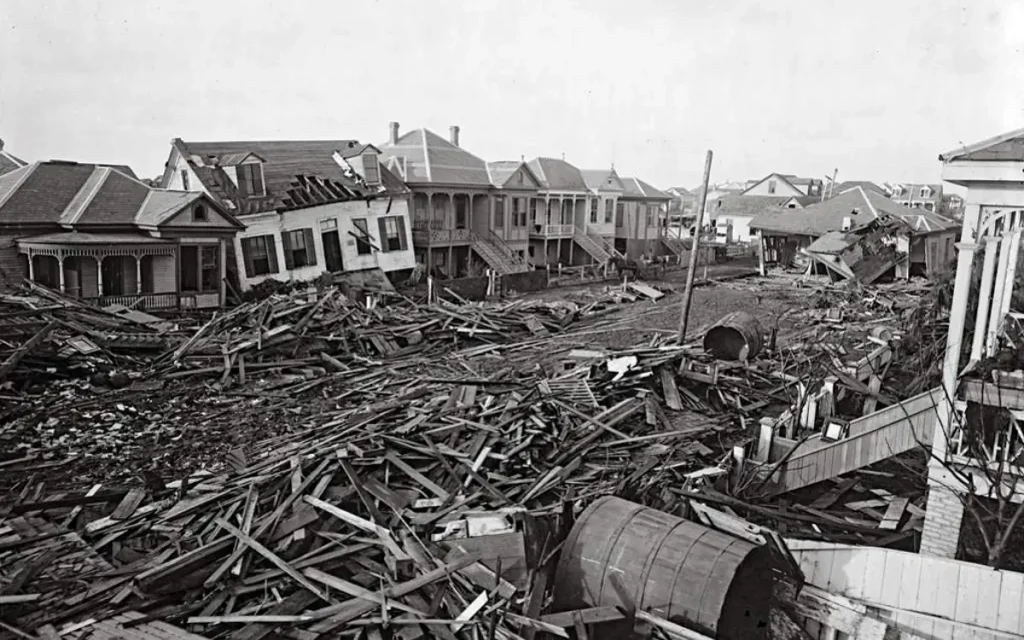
{"x": 684, "y": 313}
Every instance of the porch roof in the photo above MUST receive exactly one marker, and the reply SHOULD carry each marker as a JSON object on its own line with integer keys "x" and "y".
{"x": 76, "y": 238}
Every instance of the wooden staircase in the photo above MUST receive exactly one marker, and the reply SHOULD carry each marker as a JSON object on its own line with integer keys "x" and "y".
{"x": 677, "y": 246}
{"x": 872, "y": 438}
{"x": 498, "y": 255}
{"x": 594, "y": 247}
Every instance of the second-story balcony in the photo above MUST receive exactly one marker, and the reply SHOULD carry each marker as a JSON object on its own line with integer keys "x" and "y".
{"x": 552, "y": 231}
{"x": 433, "y": 233}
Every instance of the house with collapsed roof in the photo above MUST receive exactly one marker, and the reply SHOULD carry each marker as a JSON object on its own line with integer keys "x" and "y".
{"x": 783, "y": 236}
{"x": 97, "y": 233}
{"x": 309, "y": 208}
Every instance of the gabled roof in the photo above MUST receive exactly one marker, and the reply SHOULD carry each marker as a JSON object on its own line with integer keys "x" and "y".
{"x": 427, "y": 158}
{"x": 852, "y": 184}
{"x": 787, "y": 179}
{"x": 637, "y": 188}
{"x": 8, "y": 161}
{"x": 296, "y": 173}
{"x": 682, "y": 191}
{"x": 558, "y": 175}
{"x": 501, "y": 171}
{"x": 1005, "y": 146}
{"x": 85, "y": 195}
{"x": 602, "y": 179}
{"x": 861, "y": 206}
{"x": 740, "y": 205}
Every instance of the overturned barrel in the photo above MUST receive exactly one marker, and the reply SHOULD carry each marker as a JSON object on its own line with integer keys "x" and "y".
{"x": 737, "y": 336}
{"x": 626, "y": 555}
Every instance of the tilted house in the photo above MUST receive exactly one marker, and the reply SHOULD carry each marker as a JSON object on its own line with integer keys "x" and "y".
{"x": 782, "y": 236}
{"x": 96, "y": 232}
{"x": 464, "y": 213}
{"x": 309, "y": 208}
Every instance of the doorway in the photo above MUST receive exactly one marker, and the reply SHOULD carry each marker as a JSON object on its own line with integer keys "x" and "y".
{"x": 332, "y": 245}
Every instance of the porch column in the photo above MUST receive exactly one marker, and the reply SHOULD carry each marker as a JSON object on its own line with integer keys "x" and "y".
{"x": 138, "y": 274}
{"x": 31, "y": 267}
{"x": 99, "y": 276}
{"x": 223, "y": 270}
{"x": 988, "y": 271}
{"x": 60, "y": 270}
{"x": 450, "y": 224}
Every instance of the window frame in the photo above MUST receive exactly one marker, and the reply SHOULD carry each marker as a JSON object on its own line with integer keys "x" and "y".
{"x": 362, "y": 234}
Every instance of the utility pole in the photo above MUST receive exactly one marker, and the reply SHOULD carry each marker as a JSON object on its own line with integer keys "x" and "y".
{"x": 684, "y": 313}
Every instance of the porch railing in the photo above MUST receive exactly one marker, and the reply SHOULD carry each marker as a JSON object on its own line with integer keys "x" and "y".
{"x": 441, "y": 236}
{"x": 140, "y": 301}
{"x": 553, "y": 231}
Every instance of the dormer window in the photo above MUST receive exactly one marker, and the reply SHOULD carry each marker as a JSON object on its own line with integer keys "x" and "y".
{"x": 371, "y": 170}
{"x": 250, "y": 180}
{"x": 199, "y": 213}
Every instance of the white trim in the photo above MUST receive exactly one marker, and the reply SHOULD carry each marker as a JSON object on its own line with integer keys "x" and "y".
{"x": 17, "y": 185}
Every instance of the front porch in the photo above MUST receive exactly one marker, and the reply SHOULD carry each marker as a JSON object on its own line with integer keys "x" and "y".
{"x": 135, "y": 271}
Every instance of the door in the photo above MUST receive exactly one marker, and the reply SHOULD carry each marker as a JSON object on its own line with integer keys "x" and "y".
{"x": 332, "y": 245}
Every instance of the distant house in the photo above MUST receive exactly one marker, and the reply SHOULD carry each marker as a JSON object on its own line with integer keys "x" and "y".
{"x": 780, "y": 184}
{"x": 682, "y": 202}
{"x": 783, "y": 235}
{"x": 309, "y": 207}
{"x": 464, "y": 211}
{"x": 731, "y": 214}
{"x": 97, "y": 233}
{"x": 716, "y": 191}
{"x": 8, "y": 161}
{"x": 916, "y": 195}
{"x": 641, "y": 226}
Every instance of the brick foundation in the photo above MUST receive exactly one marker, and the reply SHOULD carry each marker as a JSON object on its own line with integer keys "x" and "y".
{"x": 943, "y": 516}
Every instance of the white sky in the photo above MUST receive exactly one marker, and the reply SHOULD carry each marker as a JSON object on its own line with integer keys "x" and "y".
{"x": 875, "y": 88}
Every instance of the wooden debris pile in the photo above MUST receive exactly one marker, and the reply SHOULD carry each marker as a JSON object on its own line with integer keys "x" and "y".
{"x": 45, "y": 336}
{"x": 420, "y": 507}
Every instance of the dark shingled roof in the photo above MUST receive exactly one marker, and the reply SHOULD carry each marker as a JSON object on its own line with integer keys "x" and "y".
{"x": 637, "y": 188}
{"x": 737, "y": 205}
{"x": 428, "y": 158}
{"x": 558, "y": 175}
{"x": 41, "y": 191}
{"x": 603, "y": 179}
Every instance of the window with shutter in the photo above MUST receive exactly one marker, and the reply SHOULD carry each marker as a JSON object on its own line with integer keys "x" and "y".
{"x": 259, "y": 254}
{"x": 392, "y": 238}
{"x": 371, "y": 169}
{"x": 594, "y": 204}
{"x": 608, "y": 204}
{"x": 299, "y": 250}
{"x": 250, "y": 180}
{"x": 362, "y": 233}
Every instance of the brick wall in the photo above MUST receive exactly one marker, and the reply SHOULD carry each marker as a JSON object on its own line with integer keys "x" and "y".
{"x": 943, "y": 516}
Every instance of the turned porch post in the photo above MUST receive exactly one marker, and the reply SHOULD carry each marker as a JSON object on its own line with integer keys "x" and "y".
{"x": 138, "y": 274}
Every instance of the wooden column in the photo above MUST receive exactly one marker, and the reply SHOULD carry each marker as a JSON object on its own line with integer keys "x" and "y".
{"x": 99, "y": 276}
{"x": 31, "y": 267}
{"x": 760, "y": 253}
{"x": 138, "y": 274}
{"x": 223, "y": 264}
{"x": 60, "y": 271}
{"x": 177, "y": 271}
{"x": 988, "y": 270}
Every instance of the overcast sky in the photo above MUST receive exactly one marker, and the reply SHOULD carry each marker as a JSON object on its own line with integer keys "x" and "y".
{"x": 875, "y": 89}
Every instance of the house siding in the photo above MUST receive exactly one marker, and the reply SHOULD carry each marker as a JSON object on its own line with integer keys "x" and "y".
{"x": 344, "y": 213}
{"x": 13, "y": 268}
{"x": 165, "y": 277}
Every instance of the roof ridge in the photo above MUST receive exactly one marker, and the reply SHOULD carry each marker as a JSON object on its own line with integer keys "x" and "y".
{"x": 69, "y": 215}
{"x": 28, "y": 169}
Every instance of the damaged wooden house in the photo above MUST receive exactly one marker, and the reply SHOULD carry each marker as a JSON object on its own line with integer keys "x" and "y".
{"x": 784, "y": 237}
{"x": 865, "y": 253}
{"x": 97, "y": 233}
{"x": 310, "y": 208}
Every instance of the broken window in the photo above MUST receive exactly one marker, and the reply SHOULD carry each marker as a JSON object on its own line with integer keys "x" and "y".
{"x": 250, "y": 180}
{"x": 362, "y": 233}
{"x": 299, "y": 250}
{"x": 259, "y": 253}
{"x": 392, "y": 233}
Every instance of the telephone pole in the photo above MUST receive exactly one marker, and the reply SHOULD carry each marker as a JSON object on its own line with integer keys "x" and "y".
{"x": 684, "y": 313}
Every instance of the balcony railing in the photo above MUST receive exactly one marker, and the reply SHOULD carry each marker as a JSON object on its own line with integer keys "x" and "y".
{"x": 141, "y": 301}
{"x": 423, "y": 236}
{"x": 552, "y": 231}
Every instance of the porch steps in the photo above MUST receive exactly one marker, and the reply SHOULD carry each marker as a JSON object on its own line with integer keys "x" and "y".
{"x": 677, "y": 246}
{"x": 594, "y": 248}
{"x": 877, "y": 436}
{"x": 498, "y": 257}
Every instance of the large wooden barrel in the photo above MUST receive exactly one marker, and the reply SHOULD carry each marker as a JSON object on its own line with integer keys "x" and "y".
{"x": 726, "y": 338}
{"x": 624, "y": 554}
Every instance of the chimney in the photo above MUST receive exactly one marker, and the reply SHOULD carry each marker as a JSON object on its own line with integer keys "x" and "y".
{"x": 453, "y": 134}
{"x": 393, "y": 139}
